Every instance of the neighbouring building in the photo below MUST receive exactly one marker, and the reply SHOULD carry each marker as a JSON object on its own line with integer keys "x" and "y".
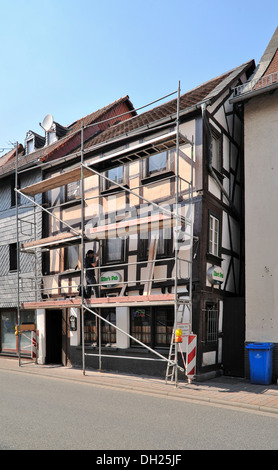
{"x": 119, "y": 193}
{"x": 259, "y": 99}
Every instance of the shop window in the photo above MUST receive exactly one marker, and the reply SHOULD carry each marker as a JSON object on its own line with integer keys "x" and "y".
{"x": 91, "y": 327}
{"x": 211, "y": 322}
{"x": 108, "y": 332}
{"x": 8, "y": 339}
{"x": 152, "y": 326}
{"x": 27, "y": 317}
{"x": 141, "y": 325}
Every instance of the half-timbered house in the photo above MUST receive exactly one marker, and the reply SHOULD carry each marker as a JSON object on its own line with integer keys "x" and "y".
{"x": 159, "y": 199}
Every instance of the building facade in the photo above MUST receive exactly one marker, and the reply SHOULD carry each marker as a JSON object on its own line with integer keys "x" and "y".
{"x": 121, "y": 193}
{"x": 22, "y": 220}
{"x": 259, "y": 100}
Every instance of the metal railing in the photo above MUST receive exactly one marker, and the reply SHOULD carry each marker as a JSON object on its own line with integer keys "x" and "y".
{"x": 256, "y": 84}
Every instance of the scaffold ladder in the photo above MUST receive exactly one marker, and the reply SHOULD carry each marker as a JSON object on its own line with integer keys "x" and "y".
{"x": 172, "y": 364}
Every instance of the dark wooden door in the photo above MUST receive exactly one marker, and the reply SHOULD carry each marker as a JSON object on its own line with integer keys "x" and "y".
{"x": 233, "y": 336}
{"x": 53, "y": 337}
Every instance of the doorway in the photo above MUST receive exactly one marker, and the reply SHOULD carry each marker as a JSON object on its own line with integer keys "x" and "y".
{"x": 53, "y": 330}
{"x": 233, "y": 336}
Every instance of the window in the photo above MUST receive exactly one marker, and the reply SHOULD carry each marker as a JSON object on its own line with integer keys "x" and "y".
{"x": 116, "y": 174}
{"x": 216, "y": 151}
{"x": 51, "y": 137}
{"x": 108, "y": 332}
{"x": 71, "y": 257}
{"x": 211, "y": 322}
{"x": 91, "y": 327}
{"x": 8, "y": 338}
{"x": 72, "y": 191}
{"x": 7, "y": 329}
{"x": 13, "y": 193}
{"x": 214, "y": 234}
{"x": 114, "y": 250}
{"x": 152, "y": 326}
{"x": 164, "y": 246}
{"x": 13, "y": 256}
{"x": 156, "y": 163}
{"x": 30, "y": 146}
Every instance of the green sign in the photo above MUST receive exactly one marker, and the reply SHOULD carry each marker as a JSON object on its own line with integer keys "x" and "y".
{"x": 110, "y": 279}
{"x": 215, "y": 275}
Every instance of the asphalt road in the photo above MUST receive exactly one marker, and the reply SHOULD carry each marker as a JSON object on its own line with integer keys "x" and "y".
{"x": 44, "y": 413}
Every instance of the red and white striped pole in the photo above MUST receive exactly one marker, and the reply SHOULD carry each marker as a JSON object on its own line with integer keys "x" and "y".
{"x": 191, "y": 357}
{"x": 34, "y": 344}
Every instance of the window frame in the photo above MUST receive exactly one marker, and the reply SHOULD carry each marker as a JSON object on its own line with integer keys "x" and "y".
{"x": 146, "y": 164}
{"x": 67, "y": 257}
{"x": 211, "y": 322}
{"x": 211, "y": 241}
{"x": 30, "y": 142}
{"x": 149, "y": 172}
{"x": 105, "y": 257}
{"x": 91, "y": 327}
{"x": 151, "y": 336}
{"x": 216, "y": 144}
{"x": 13, "y": 267}
{"x": 144, "y": 244}
{"x": 66, "y": 192}
{"x": 108, "y": 184}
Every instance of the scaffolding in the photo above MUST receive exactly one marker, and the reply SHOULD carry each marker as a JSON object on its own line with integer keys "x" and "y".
{"x": 163, "y": 217}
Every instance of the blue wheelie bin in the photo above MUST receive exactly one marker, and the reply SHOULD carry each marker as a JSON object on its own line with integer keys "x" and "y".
{"x": 260, "y": 359}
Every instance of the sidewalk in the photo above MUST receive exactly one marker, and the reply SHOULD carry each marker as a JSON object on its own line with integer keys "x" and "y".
{"x": 225, "y": 391}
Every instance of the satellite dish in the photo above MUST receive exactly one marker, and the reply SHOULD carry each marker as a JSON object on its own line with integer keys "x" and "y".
{"x": 47, "y": 122}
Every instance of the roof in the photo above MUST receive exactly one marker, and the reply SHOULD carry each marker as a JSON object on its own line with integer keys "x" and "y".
{"x": 208, "y": 91}
{"x": 7, "y": 161}
{"x": 268, "y": 62}
{"x": 265, "y": 76}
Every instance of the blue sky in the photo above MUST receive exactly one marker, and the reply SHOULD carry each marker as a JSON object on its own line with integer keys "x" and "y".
{"x": 71, "y": 57}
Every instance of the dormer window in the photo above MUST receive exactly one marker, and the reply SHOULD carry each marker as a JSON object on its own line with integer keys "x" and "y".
{"x": 30, "y": 146}
{"x": 33, "y": 141}
{"x": 53, "y": 130}
{"x": 50, "y": 137}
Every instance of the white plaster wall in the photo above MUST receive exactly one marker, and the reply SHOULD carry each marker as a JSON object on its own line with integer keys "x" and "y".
{"x": 122, "y": 321}
{"x": 42, "y": 338}
{"x": 261, "y": 200}
{"x": 75, "y": 335}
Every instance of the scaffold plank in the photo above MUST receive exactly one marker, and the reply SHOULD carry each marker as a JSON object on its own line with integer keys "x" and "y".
{"x": 143, "y": 150}
{"x": 128, "y": 300}
{"x": 118, "y": 229}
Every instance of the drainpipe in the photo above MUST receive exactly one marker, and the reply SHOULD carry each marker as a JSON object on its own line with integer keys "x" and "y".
{"x": 210, "y": 167}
